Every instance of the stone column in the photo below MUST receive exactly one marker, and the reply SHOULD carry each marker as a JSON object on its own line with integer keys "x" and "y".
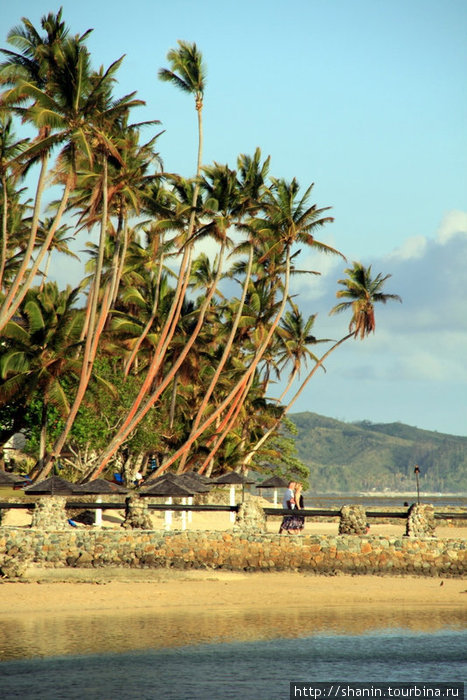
{"x": 250, "y": 518}
{"x": 137, "y": 514}
{"x": 421, "y": 521}
{"x": 50, "y": 513}
{"x": 352, "y": 520}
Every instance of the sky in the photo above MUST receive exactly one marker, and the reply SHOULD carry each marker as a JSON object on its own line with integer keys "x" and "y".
{"x": 367, "y": 99}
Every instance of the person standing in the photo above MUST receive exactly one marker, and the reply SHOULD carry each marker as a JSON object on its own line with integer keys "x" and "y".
{"x": 299, "y": 504}
{"x": 288, "y": 502}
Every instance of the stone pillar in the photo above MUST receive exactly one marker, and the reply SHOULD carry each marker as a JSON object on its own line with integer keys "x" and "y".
{"x": 421, "y": 521}
{"x": 250, "y": 518}
{"x": 352, "y": 520}
{"x": 50, "y": 513}
{"x": 137, "y": 514}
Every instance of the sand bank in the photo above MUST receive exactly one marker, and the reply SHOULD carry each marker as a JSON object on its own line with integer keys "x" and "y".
{"x": 126, "y": 610}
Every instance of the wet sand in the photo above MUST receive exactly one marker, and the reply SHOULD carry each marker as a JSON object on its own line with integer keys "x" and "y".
{"x": 123, "y": 610}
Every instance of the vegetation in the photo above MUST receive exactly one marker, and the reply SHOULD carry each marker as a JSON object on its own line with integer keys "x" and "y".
{"x": 161, "y": 355}
{"x": 368, "y": 456}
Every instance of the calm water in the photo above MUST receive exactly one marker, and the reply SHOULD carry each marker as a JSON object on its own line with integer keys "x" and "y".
{"x": 247, "y": 656}
{"x": 248, "y": 670}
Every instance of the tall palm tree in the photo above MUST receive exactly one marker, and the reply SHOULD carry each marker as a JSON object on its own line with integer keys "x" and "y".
{"x": 187, "y": 72}
{"x": 31, "y": 74}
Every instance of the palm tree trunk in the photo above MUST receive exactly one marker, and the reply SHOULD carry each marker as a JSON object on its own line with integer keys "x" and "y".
{"x": 247, "y": 375}
{"x": 148, "y": 325}
{"x": 223, "y": 360}
{"x": 4, "y": 231}
{"x": 5, "y": 311}
{"x": 95, "y": 328}
{"x": 228, "y": 426}
{"x": 14, "y": 304}
{"x": 287, "y": 408}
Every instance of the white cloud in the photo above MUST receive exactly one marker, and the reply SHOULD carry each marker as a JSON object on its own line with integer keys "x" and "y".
{"x": 452, "y": 223}
{"x": 413, "y": 247}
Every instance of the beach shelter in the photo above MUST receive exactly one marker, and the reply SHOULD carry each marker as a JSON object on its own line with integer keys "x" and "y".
{"x": 99, "y": 488}
{"x": 274, "y": 482}
{"x": 53, "y": 486}
{"x": 233, "y": 479}
{"x": 196, "y": 482}
{"x": 168, "y": 486}
{"x": 7, "y": 479}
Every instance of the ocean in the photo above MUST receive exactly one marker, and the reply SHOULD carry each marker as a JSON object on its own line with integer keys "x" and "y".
{"x": 249, "y": 671}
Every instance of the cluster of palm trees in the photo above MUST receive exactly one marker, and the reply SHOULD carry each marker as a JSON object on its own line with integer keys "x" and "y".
{"x": 161, "y": 353}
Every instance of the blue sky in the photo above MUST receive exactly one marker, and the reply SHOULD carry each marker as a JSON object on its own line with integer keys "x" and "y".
{"x": 368, "y": 100}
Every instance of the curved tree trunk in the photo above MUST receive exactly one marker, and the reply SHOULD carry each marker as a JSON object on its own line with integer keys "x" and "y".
{"x": 6, "y": 312}
{"x": 223, "y": 360}
{"x": 137, "y": 411}
{"x": 96, "y": 325}
{"x": 269, "y": 432}
{"x": 241, "y": 382}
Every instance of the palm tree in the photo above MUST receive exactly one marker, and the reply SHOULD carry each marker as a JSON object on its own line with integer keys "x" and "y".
{"x": 32, "y": 77}
{"x": 365, "y": 292}
{"x": 10, "y": 149}
{"x": 296, "y": 337}
{"x": 39, "y": 350}
{"x": 362, "y": 292}
{"x": 187, "y": 73}
{"x": 287, "y": 220}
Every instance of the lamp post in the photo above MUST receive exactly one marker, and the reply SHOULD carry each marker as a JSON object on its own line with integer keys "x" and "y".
{"x": 417, "y": 472}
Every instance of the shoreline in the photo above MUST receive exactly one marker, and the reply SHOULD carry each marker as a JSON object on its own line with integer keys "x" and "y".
{"x": 65, "y": 591}
{"x": 116, "y": 611}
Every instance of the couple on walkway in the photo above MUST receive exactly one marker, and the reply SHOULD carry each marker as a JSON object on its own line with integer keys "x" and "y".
{"x": 293, "y": 500}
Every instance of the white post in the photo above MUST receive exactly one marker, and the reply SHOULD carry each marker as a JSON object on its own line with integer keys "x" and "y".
{"x": 168, "y": 515}
{"x": 275, "y": 497}
{"x": 232, "y": 502}
{"x": 184, "y": 515}
{"x": 98, "y": 513}
{"x": 190, "y": 512}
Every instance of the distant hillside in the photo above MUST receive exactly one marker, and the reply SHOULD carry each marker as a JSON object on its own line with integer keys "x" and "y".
{"x": 363, "y": 456}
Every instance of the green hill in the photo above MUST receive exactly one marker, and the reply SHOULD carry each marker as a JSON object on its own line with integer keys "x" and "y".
{"x": 363, "y": 456}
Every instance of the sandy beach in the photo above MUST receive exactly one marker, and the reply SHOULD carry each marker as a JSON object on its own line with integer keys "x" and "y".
{"x": 93, "y": 611}
{"x": 143, "y": 608}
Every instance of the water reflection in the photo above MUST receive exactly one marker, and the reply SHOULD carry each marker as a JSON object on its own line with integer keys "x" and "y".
{"x": 41, "y": 635}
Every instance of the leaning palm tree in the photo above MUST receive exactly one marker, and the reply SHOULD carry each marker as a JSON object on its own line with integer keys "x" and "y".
{"x": 296, "y": 337}
{"x": 287, "y": 220}
{"x": 35, "y": 85}
{"x": 364, "y": 291}
{"x": 10, "y": 149}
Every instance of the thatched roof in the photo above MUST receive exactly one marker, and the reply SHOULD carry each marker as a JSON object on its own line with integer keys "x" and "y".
{"x": 274, "y": 482}
{"x": 232, "y": 478}
{"x": 7, "y": 479}
{"x": 100, "y": 486}
{"x": 54, "y": 485}
{"x": 190, "y": 482}
{"x": 166, "y": 487}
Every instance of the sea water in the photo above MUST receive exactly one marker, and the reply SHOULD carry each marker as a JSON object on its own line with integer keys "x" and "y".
{"x": 247, "y": 670}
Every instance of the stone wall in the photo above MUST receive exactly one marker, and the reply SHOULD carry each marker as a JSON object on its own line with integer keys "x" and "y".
{"x": 231, "y": 550}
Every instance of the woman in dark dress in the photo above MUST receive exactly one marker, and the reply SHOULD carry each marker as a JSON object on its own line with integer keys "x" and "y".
{"x": 294, "y": 524}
